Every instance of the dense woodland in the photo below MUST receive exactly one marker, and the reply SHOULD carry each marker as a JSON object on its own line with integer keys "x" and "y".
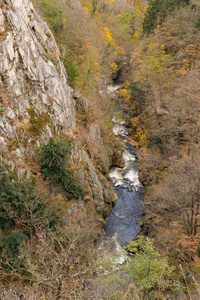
{"x": 153, "y": 48}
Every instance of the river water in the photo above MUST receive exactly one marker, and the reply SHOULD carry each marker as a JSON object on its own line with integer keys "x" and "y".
{"x": 123, "y": 222}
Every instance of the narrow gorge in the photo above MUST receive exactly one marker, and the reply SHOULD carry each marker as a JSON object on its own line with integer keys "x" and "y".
{"x": 99, "y": 149}
{"x": 36, "y": 101}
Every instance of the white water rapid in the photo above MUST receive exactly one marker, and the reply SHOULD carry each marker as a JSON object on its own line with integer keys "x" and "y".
{"x": 123, "y": 222}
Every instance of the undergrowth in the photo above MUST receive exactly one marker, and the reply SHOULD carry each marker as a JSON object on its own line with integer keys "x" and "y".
{"x": 54, "y": 163}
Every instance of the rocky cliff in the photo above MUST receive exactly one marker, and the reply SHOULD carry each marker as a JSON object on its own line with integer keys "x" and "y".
{"x": 30, "y": 68}
{"x": 35, "y": 100}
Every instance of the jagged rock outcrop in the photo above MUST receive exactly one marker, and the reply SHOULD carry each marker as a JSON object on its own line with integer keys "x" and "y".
{"x": 96, "y": 185}
{"x": 30, "y": 68}
{"x": 109, "y": 153}
{"x": 35, "y": 100}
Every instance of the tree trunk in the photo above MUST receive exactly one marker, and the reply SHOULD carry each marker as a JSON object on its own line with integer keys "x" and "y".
{"x": 196, "y": 218}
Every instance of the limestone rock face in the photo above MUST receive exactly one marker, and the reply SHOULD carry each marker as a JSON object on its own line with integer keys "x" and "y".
{"x": 110, "y": 154}
{"x": 98, "y": 187}
{"x": 81, "y": 104}
{"x": 35, "y": 101}
{"x": 30, "y": 68}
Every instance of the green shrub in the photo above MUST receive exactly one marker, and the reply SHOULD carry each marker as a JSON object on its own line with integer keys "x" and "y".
{"x": 9, "y": 249}
{"x": 165, "y": 137}
{"x": 138, "y": 96}
{"x": 159, "y": 9}
{"x": 146, "y": 275}
{"x": 13, "y": 241}
{"x": 54, "y": 159}
{"x": 72, "y": 70}
{"x": 22, "y": 205}
{"x": 1, "y": 241}
{"x": 53, "y": 14}
{"x": 37, "y": 123}
{"x": 197, "y": 23}
{"x": 53, "y": 164}
{"x": 155, "y": 141}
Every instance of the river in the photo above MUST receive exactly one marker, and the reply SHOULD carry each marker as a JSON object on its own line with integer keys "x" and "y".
{"x": 123, "y": 222}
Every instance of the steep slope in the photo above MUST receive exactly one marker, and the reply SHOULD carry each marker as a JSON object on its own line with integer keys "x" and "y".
{"x": 36, "y": 102}
{"x": 31, "y": 71}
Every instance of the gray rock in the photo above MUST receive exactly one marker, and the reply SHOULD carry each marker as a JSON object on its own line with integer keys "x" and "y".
{"x": 2, "y": 18}
{"x": 77, "y": 95}
{"x": 95, "y": 134}
{"x": 3, "y": 144}
{"x": 35, "y": 81}
{"x": 26, "y": 65}
{"x": 118, "y": 159}
{"x": 21, "y": 173}
{"x": 161, "y": 111}
{"x": 2, "y": 124}
{"x": 17, "y": 153}
{"x": 82, "y": 105}
{"x": 10, "y": 113}
{"x": 108, "y": 196}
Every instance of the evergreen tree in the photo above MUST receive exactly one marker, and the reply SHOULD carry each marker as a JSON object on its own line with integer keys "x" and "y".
{"x": 158, "y": 10}
{"x": 53, "y": 164}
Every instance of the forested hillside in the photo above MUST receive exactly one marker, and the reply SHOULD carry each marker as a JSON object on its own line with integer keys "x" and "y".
{"x": 52, "y": 217}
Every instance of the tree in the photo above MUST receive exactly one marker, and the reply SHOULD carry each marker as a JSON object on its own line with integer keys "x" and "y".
{"x": 183, "y": 193}
{"x": 22, "y": 205}
{"x": 54, "y": 163}
{"x": 157, "y": 11}
{"x": 177, "y": 197}
{"x": 146, "y": 275}
{"x": 59, "y": 264}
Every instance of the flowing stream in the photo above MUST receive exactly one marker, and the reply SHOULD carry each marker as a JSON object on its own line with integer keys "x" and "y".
{"x": 123, "y": 222}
